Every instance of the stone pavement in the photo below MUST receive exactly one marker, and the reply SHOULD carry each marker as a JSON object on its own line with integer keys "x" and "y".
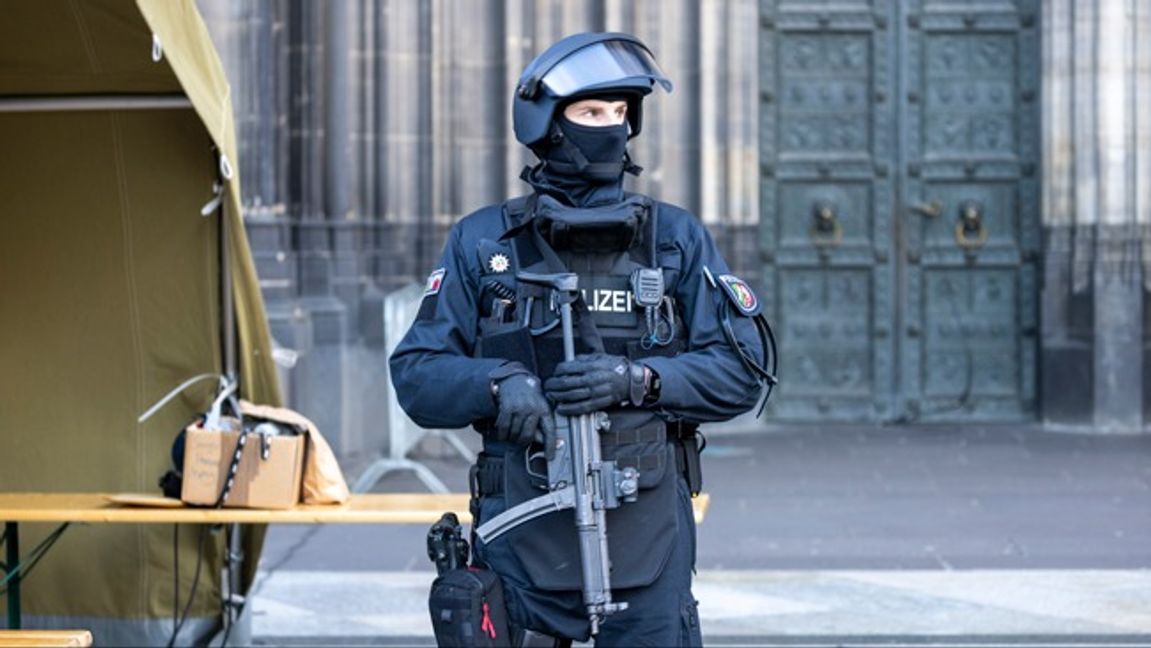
{"x": 932, "y": 535}
{"x": 1073, "y": 607}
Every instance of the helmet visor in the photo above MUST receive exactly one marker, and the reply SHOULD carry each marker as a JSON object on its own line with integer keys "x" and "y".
{"x": 599, "y": 65}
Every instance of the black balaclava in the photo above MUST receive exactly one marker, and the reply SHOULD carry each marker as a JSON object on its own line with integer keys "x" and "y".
{"x": 600, "y": 150}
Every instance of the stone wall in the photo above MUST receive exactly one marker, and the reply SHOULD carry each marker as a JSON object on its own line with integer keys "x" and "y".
{"x": 1096, "y": 304}
{"x": 367, "y": 127}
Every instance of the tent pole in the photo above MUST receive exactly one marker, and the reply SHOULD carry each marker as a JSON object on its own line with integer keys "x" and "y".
{"x": 49, "y": 103}
{"x": 228, "y": 310}
{"x": 233, "y": 600}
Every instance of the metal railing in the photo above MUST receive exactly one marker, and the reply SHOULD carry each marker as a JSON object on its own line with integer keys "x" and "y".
{"x": 403, "y": 435}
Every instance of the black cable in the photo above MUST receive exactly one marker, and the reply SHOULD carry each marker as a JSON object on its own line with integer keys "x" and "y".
{"x": 175, "y": 574}
{"x": 770, "y": 349}
{"x": 766, "y": 372}
{"x": 964, "y": 397}
{"x": 195, "y": 585}
{"x": 228, "y": 602}
{"x": 761, "y": 373}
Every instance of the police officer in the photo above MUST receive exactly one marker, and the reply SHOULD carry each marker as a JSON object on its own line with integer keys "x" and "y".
{"x": 667, "y": 338}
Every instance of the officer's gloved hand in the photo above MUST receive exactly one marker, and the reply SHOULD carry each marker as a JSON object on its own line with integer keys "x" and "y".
{"x": 524, "y": 414}
{"x": 594, "y": 382}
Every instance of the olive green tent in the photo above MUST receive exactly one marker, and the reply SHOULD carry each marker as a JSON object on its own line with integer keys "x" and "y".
{"x": 116, "y": 132}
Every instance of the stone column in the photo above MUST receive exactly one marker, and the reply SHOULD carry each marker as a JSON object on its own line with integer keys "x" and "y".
{"x": 729, "y": 133}
{"x": 407, "y": 155}
{"x": 477, "y": 105}
{"x": 1097, "y": 80}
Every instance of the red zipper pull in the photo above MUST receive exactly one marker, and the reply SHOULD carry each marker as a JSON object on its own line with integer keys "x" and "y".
{"x": 487, "y": 625}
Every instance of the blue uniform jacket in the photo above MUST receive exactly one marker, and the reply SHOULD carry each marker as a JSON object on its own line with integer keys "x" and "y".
{"x": 440, "y": 384}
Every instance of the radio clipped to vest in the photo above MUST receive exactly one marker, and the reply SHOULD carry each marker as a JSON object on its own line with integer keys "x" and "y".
{"x": 647, "y": 286}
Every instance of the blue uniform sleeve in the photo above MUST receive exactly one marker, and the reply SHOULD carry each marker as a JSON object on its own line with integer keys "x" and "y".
{"x": 438, "y": 382}
{"x": 707, "y": 382}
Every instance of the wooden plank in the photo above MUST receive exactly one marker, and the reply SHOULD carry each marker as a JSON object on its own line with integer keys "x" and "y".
{"x": 36, "y": 638}
{"x": 365, "y": 508}
{"x": 369, "y": 508}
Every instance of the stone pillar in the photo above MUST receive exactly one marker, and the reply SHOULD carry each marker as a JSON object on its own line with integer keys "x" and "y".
{"x": 406, "y": 142}
{"x": 473, "y": 137}
{"x": 1097, "y": 80}
{"x": 678, "y": 48}
{"x": 729, "y": 133}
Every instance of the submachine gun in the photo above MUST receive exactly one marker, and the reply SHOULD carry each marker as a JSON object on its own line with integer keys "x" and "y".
{"x": 578, "y": 478}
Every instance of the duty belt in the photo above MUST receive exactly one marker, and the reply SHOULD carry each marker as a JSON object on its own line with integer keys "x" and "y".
{"x": 487, "y": 475}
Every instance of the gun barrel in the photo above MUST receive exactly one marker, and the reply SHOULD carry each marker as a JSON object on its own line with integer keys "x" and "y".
{"x": 591, "y": 521}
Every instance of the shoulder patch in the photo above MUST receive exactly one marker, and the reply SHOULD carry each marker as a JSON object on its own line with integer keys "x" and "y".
{"x": 740, "y": 294}
{"x": 494, "y": 258}
{"x": 435, "y": 280}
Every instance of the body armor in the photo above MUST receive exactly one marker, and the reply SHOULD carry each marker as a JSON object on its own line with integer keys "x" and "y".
{"x": 520, "y": 323}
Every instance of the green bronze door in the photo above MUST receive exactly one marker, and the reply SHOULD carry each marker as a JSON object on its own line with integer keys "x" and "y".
{"x": 899, "y": 221}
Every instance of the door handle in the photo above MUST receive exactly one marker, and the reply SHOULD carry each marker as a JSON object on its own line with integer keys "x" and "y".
{"x": 970, "y": 230}
{"x": 826, "y": 231}
{"x": 933, "y": 209}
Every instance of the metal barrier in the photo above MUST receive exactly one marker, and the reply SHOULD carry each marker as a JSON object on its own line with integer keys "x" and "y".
{"x": 400, "y": 308}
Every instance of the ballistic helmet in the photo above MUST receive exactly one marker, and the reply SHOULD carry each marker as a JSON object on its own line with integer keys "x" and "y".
{"x": 587, "y": 64}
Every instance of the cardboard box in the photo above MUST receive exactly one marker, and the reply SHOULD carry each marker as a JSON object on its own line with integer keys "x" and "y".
{"x": 272, "y": 483}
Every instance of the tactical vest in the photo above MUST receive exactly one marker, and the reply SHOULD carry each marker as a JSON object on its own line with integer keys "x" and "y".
{"x": 520, "y": 322}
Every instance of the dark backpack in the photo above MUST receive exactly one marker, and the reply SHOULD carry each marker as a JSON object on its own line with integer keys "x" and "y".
{"x": 467, "y": 608}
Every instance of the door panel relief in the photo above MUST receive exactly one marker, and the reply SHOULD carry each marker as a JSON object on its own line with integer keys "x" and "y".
{"x": 827, "y": 205}
{"x": 899, "y": 223}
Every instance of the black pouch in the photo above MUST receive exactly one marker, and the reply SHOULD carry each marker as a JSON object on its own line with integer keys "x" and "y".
{"x": 507, "y": 342}
{"x": 468, "y": 610}
{"x": 641, "y": 534}
{"x": 643, "y": 448}
{"x": 689, "y": 445}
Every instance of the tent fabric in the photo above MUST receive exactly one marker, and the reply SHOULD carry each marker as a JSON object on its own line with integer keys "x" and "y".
{"x": 189, "y": 51}
{"x": 79, "y": 47}
{"x": 110, "y": 296}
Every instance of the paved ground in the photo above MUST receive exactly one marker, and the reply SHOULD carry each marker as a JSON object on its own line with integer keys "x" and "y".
{"x": 938, "y": 536}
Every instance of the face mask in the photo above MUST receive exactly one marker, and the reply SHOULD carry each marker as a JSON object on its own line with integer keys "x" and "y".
{"x": 595, "y": 153}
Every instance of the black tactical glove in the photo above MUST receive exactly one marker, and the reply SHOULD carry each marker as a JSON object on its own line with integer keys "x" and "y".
{"x": 595, "y": 382}
{"x": 524, "y": 414}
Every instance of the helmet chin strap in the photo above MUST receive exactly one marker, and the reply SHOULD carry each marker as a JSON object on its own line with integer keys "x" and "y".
{"x": 629, "y": 166}
{"x": 581, "y": 166}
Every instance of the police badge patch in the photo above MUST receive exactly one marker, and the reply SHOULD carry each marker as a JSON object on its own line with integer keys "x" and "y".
{"x": 740, "y": 293}
{"x": 498, "y": 262}
{"x": 435, "y": 280}
{"x": 493, "y": 257}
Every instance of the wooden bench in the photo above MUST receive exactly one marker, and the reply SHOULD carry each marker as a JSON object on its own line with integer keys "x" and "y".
{"x": 37, "y": 638}
{"x": 105, "y": 508}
